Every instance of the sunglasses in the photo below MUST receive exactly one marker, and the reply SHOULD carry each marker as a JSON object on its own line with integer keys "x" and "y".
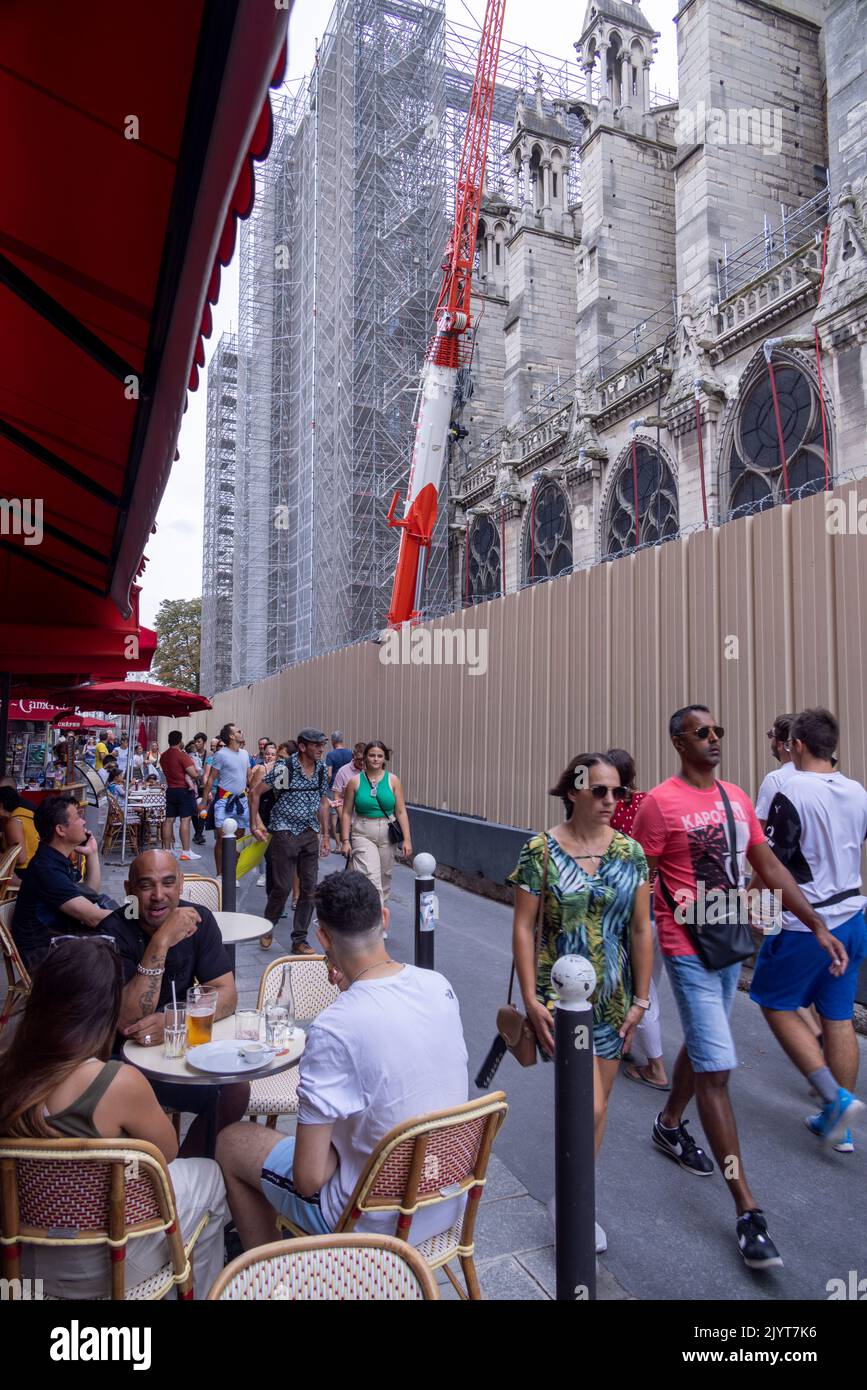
{"x": 707, "y": 729}
{"x": 95, "y": 936}
{"x": 599, "y": 793}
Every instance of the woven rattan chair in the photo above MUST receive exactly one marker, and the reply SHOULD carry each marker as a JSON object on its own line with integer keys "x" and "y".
{"x": 97, "y": 1192}
{"x": 17, "y": 975}
{"x": 7, "y": 869}
{"x": 331, "y": 1268}
{"x": 278, "y": 1095}
{"x": 422, "y": 1162}
{"x": 114, "y": 827}
{"x": 208, "y": 892}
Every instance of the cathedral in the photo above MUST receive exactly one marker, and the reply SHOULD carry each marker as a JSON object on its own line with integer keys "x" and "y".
{"x": 684, "y": 341}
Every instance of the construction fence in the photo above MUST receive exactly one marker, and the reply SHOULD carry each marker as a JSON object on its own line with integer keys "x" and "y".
{"x": 761, "y": 616}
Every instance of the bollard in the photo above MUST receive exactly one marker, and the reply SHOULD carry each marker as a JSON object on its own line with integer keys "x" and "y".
{"x": 426, "y": 910}
{"x": 229, "y": 865}
{"x": 574, "y": 979}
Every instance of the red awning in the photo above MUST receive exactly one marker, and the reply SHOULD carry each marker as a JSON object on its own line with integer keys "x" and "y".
{"x": 128, "y": 137}
{"x": 36, "y": 711}
{"x": 50, "y": 627}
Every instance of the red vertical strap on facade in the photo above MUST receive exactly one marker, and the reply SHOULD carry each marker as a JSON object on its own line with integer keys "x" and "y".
{"x": 502, "y": 552}
{"x": 698, "y": 431}
{"x": 635, "y": 490}
{"x": 779, "y": 421}
{"x": 467, "y": 566}
{"x": 819, "y": 367}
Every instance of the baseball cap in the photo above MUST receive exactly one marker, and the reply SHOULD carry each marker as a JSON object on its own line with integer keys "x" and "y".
{"x": 311, "y": 736}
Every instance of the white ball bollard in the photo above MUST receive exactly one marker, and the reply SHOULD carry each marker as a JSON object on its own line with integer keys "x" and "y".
{"x": 229, "y": 827}
{"x": 426, "y": 909}
{"x": 574, "y": 979}
{"x": 229, "y": 864}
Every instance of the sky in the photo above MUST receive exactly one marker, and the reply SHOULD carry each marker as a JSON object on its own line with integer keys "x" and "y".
{"x": 174, "y": 554}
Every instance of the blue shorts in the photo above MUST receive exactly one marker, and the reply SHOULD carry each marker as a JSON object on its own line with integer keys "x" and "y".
{"x": 704, "y": 1001}
{"x": 236, "y": 807}
{"x": 277, "y": 1187}
{"x": 180, "y": 801}
{"x": 792, "y": 971}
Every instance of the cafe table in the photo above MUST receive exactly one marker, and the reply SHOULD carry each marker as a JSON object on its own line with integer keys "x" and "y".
{"x": 177, "y": 1071}
{"x": 240, "y": 926}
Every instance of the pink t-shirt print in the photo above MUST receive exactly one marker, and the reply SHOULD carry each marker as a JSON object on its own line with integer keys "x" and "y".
{"x": 686, "y": 829}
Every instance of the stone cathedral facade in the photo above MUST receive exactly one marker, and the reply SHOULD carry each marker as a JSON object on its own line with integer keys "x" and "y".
{"x": 688, "y": 342}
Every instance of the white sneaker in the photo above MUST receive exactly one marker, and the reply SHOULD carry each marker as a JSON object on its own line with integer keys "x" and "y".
{"x": 260, "y": 881}
{"x": 189, "y": 854}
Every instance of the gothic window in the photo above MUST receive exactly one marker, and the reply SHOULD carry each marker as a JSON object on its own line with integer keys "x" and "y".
{"x": 554, "y": 180}
{"x": 755, "y": 471}
{"x": 657, "y": 503}
{"x": 484, "y": 560}
{"x": 548, "y": 543}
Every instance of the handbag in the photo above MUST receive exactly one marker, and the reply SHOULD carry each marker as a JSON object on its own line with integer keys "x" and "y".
{"x": 515, "y": 1033}
{"x": 395, "y": 834}
{"x": 728, "y": 939}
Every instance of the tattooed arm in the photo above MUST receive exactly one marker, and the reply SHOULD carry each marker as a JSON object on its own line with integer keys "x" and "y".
{"x": 141, "y": 996}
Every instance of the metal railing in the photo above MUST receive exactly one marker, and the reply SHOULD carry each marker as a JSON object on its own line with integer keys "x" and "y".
{"x": 774, "y": 244}
{"x": 642, "y": 337}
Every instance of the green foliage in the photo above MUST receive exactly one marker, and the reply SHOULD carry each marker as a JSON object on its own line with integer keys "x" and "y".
{"x": 179, "y": 629}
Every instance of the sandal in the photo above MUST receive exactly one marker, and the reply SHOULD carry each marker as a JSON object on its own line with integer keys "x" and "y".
{"x": 266, "y": 941}
{"x": 635, "y": 1074}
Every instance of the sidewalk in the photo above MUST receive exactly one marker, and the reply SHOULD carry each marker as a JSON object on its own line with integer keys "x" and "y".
{"x": 670, "y": 1237}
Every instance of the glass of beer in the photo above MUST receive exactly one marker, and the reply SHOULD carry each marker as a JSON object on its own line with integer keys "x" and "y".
{"x": 201, "y": 1008}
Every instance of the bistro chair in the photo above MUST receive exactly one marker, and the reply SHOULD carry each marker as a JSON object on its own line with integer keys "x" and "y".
{"x": 421, "y": 1163}
{"x": 278, "y": 1095}
{"x": 114, "y": 827}
{"x": 18, "y": 982}
{"x": 67, "y": 1193}
{"x": 7, "y": 869}
{"x": 207, "y": 892}
{"x": 92, "y": 781}
{"x": 328, "y": 1269}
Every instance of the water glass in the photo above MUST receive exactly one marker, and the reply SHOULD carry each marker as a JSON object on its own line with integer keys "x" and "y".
{"x": 277, "y": 1025}
{"x": 174, "y": 1031}
{"x": 248, "y": 1024}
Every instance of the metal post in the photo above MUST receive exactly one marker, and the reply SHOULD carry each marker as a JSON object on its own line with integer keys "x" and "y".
{"x": 426, "y": 910}
{"x": 574, "y": 1155}
{"x": 5, "y": 691}
{"x": 228, "y": 865}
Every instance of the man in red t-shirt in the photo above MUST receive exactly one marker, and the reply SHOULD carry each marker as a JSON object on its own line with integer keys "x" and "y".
{"x": 180, "y": 772}
{"x": 682, "y": 826}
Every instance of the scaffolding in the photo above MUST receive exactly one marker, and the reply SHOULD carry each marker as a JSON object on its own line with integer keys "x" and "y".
{"x": 215, "y": 666}
{"x": 339, "y": 274}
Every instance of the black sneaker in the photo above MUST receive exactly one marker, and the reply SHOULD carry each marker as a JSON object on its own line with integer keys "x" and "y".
{"x": 756, "y": 1246}
{"x": 680, "y": 1145}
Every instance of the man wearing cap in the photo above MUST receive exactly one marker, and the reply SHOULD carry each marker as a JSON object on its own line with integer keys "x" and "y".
{"x": 299, "y": 831}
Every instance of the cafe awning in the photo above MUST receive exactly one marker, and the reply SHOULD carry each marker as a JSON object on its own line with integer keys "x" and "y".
{"x": 130, "y": 133}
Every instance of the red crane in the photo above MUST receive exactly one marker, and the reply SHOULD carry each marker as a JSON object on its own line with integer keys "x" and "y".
{"x": 452, "y": 321}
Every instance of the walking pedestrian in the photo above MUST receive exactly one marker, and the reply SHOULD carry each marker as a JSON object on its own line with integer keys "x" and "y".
{"x": 778, "y": 735}
{"x": 299, "y": 832}
{"x": 228, "y": 772}
{"x": 817, "y": 824}
{"x": 697, "y": 832}
{"x": 197, "y": 751}
{"x": 648, "y": 1034}
{"x": 179, "y": 769}
{"x": 595, "y": 903}
{"x": 373, "y": 801}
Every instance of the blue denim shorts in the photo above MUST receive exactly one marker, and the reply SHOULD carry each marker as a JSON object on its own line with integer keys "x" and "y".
{"x": 704, "y": 1001}
{"x": 278, "y": 1188}
{"x": 235, "y": 806}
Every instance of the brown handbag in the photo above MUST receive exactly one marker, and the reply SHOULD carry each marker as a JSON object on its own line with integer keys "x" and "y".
{"x": 513, "y": 1027}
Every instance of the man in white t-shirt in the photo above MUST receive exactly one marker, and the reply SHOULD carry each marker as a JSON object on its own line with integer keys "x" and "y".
{"x": 777, "y": 778}
{"x": 391, "y": 1047}
{"x": 816, "y": 826}
{"x": 228, "y": 773}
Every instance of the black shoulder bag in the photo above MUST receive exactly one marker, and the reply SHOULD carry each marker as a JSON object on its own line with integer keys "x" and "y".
{"x": 395, "y": 834}
{"x": 728, "y": 938}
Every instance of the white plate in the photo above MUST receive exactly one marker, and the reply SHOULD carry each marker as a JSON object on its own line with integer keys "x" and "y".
{"x": 224, "y": 1058}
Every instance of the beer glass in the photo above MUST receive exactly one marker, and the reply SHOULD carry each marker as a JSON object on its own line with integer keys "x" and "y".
{"x": 201, "y": 1008}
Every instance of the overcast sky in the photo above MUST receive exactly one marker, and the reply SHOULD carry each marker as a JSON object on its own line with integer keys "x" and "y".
{"x": 175, "y": 553}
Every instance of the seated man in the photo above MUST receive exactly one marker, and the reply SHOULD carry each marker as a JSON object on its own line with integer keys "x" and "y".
{"x": 54, "y": 900}
{"x": 391, "y": 1047}
{"x": 161, "y": 940}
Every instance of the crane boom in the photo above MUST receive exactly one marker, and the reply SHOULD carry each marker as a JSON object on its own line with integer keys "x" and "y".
{"x": 452, "y": 319}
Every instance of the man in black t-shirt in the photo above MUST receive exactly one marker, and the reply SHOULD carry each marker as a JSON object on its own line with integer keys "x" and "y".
{"x": 163, "y": 940}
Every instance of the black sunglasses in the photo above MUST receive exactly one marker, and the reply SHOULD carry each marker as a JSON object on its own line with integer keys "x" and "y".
{"x": 706, "y": 729}
{"x": 600, "y": 792}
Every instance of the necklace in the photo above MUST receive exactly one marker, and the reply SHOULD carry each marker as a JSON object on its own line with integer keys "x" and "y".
{"x": 388, "y": 961}
{"x": 596, "y": 854}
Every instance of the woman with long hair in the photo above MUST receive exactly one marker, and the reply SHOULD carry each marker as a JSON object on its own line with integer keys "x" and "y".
{"x": 596, "y": 905}
{"x": 373, "y": 799}
{"x": 57, "y": 1081}
{"x": 648, "y": 1034}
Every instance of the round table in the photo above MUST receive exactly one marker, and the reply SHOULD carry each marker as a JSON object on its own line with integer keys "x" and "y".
{"x": 154, "y": 1064}
{"x": 240, "y": 926}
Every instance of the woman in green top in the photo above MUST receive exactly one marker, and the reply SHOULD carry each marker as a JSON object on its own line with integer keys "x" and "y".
{"x": 56, "y": 1081}
{"x": 370, "y": 801}
{"x": 597, "y": 905}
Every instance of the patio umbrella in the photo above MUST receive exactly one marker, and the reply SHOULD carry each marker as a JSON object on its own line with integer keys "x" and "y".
{"x": 132, "y": 698}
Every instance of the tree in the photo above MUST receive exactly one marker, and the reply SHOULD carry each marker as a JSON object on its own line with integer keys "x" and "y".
{"x": 179, "y": 632}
